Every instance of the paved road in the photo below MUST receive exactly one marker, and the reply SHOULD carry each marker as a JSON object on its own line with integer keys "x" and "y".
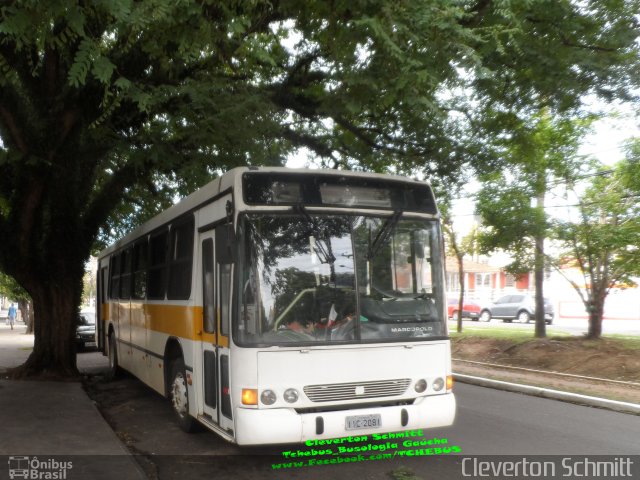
{"x": 495, "y": 422}
{"x": 489, "y": 422}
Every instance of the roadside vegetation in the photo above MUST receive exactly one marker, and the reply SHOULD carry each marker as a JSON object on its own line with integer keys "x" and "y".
{"x": 612, "y": 356}
{"x": 493, "y": 352}
{"x": 109, "y": 111}
{"x": 515, "y": 335}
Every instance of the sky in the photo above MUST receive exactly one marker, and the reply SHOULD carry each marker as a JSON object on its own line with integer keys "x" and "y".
{"x": 605, "y": 143}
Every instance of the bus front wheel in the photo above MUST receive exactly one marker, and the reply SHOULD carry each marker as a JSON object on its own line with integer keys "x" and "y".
{"x": 179, "y": 397}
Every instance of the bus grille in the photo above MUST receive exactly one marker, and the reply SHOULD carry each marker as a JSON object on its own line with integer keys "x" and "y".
{"x": 356, "y": 390}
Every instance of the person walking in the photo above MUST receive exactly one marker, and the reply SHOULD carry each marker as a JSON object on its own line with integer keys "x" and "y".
{"x": 13, "y": 312}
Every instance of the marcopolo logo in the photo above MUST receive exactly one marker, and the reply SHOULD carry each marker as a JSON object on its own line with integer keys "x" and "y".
{"x": 36, "y": 469}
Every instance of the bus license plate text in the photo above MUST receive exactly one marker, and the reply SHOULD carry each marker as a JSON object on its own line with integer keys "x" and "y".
{"x": 356, "y": 422}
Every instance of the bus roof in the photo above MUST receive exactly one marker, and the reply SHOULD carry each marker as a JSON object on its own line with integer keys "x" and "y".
{"x": 227, "y": 182}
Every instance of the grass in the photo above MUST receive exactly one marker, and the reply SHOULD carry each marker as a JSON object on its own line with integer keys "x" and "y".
{"x": 630, "y": 342}
{"x": 515, "y": 335}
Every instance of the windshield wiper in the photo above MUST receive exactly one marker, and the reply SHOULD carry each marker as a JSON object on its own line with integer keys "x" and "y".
{"x": 383, "y": 234}
{"x": 322, "y": 247}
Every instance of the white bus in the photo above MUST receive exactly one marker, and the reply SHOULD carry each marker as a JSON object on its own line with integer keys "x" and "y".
{"x": 280, "y": 306}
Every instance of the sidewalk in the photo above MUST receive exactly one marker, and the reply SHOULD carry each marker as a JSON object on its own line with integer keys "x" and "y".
{"x": 15, "y": 346}
{"x": 55, "y": 421}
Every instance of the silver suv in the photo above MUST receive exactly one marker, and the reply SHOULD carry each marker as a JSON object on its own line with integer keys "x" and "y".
{"x": 517, "y": 306}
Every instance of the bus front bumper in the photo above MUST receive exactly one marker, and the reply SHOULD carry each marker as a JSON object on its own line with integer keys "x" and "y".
{"x": 285, "y": 425}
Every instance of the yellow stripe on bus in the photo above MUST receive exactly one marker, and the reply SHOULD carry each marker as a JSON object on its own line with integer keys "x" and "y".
{"x": 175, "y": 320}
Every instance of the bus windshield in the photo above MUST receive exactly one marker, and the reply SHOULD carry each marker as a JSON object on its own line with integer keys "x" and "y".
{"x": 324, "y": 279}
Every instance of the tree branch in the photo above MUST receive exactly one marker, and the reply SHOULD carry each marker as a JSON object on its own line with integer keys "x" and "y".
{"x": 308, "y": 141}
{"x": 595, "y": 48}
{"x": 109, "y": 195}
{"x": 476, "y": 14}
{"x": 577, "y": 288}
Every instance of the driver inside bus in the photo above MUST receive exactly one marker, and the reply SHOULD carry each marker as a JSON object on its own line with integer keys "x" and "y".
{"x": 298, "y": 330}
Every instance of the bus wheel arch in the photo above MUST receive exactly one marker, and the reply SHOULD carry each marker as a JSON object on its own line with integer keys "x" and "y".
{"x": 172, "y": 352}
{"x": 176, "y": 386}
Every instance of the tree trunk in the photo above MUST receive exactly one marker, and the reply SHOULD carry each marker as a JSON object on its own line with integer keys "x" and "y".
{"x": 595, "y": 325}
{"x": 55, "y": 309}
{"x": 29, "y": 319}
{"x": 49, "y": 251}
{"x": 541, "y": 326}
{"x": 22, "y": 306}
{"x": 596, "y": 312}
{"x": 461, "y": 279}
{"x": 26, "y": 310}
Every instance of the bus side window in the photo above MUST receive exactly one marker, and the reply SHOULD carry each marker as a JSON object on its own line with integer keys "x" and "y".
{"x": 208, "y": 287}
{"x": 140, "y": 257}
{"x": 181, "y": 260}
{"x": 125, "y": 274}
{"x": 157, "y": 266}
{"x": 225, "y": 242}
{"x": 114, "y": 286}
{"x": 225, "y": 290}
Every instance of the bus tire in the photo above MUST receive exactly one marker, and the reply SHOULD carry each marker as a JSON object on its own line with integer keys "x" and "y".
{"x": 114, "y": 368}
{"x": 179, "y": 397}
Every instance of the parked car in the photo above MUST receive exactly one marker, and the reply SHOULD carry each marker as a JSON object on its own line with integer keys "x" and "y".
{"x": 86, "y": 330}
{"x": 470, "y": 308}
{"x": 519, "y": 307}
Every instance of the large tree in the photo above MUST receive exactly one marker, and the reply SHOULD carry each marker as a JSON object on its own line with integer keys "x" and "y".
{"x": 538, "y": 154}
{"x": 603, "y": 241}
{"x": 101, "y": 102}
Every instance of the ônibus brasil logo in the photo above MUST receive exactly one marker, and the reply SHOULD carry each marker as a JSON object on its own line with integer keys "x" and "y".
{"x": 36, "y": 469}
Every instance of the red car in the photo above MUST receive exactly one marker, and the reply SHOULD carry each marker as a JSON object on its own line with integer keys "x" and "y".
{"x": 470, "y": 309}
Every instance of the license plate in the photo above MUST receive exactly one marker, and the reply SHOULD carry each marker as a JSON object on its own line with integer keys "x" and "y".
{"x": 356, "y": 422}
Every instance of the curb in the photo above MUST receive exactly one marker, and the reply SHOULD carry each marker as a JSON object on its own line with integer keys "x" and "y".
{"x": 125, "y": 450}
{"x": 624, "y": 407}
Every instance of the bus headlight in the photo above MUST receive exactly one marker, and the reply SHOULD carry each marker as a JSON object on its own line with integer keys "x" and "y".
{"x": 420, "y": 386}
{"x": 268, "y": 397}
{"x": 438, "y": 384}
{"x": 291, "y": 395}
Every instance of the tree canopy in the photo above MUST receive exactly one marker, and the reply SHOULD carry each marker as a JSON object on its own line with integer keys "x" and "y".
{"x": 107, "y": 105}
{"x": 603, "y": 240}
{"x": 539, "y": 156}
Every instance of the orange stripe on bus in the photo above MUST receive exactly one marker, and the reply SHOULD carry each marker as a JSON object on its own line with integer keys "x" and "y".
{"x": 175, "y": 320}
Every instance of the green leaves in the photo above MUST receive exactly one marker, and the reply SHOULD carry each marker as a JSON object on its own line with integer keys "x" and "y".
{"x": 82, "y": 62}
{"x": 604, "y": 239}
{"x": 103, "y": 69}
{"x": 10, "y": 288}
{"x": 540, "y": 153}
{"x": 128, "y": 90}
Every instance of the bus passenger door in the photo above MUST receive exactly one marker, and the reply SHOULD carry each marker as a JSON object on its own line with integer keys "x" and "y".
{"x": 210, "y": 383}
{"x": 225, "y": 245}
